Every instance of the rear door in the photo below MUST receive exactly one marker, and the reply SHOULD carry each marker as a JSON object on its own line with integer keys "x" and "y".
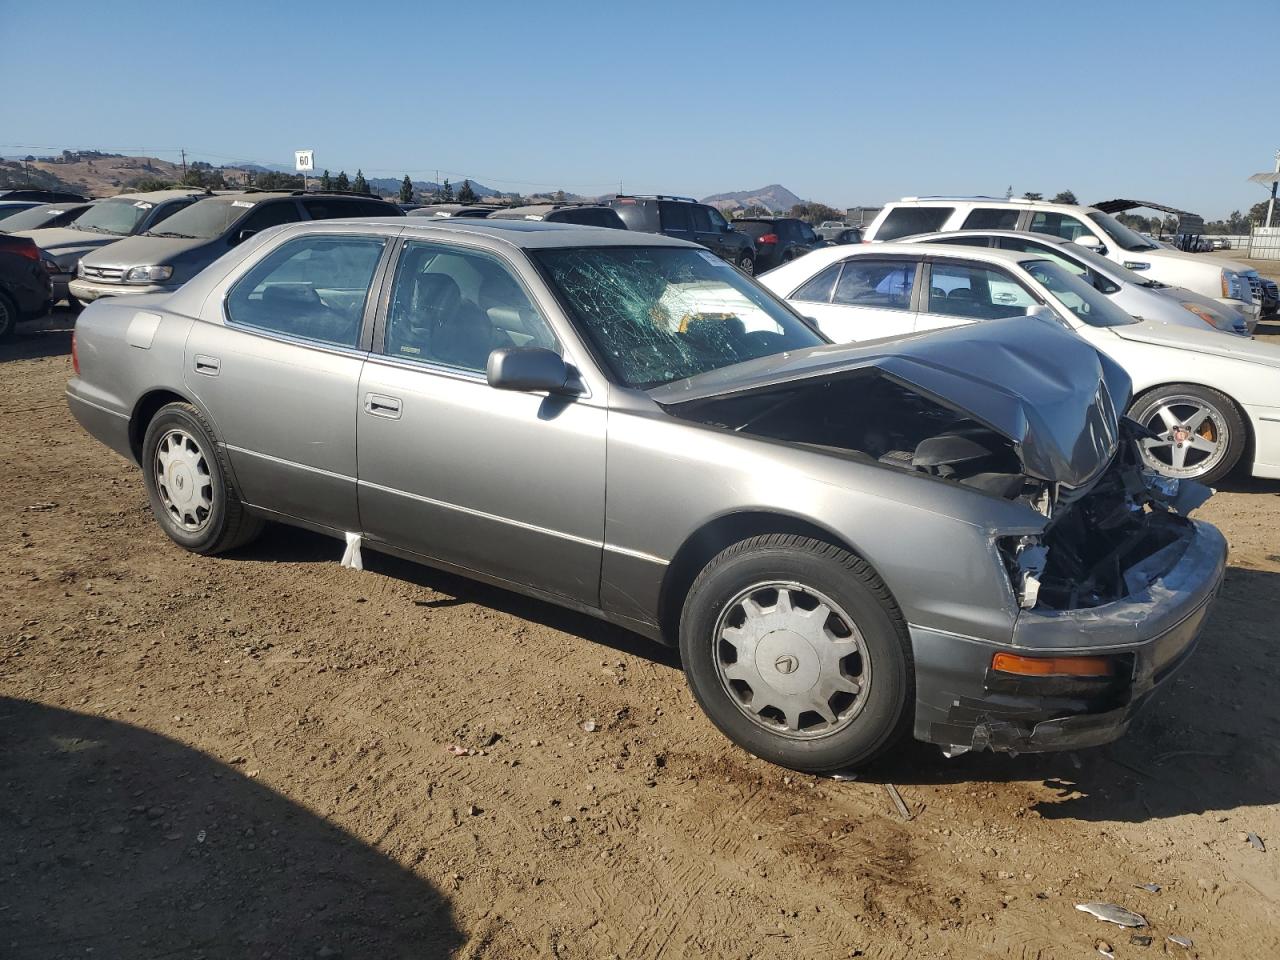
{"x": 866, "y": 298}
{"x": 710, "y": 230}
{"x": 279, "y": 375}
{"x": 675, "y": 220}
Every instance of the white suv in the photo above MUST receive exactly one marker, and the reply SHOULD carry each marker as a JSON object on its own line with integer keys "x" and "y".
{"x": 1227, "y": 281}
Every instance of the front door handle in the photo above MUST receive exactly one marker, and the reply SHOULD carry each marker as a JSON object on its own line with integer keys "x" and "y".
{"x": 209, "y": 366}
{"x": 382, "y": 406}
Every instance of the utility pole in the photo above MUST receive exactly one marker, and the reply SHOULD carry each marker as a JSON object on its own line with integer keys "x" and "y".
{"x": 184, "y": 163}
{"x": 1271, "y": 204}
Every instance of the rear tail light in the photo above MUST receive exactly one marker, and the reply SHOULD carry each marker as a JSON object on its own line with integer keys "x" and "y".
{"x": 75, "y": 355}
{"x": 768, "y": 238}
{"x": 21, "y": 246}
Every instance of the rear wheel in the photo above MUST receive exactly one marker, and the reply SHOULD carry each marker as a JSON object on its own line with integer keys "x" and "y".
{"x": 189, "y": 485}
{"x": 8, "y": 317}
{"x": 1200, "y": 432}
{"x": 796, "y": 651}
{"x": 746, "y": 262}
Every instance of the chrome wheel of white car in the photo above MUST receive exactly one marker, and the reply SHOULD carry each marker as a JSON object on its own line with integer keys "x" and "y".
{"x": 184, "y": 481}
{"x": 1199, "y": 432}
{"x": 792, "y": 660}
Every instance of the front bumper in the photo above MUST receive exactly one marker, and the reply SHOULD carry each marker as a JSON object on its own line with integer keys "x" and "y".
{"x": 962, "y": 703}
{"x": 86, "y": 291}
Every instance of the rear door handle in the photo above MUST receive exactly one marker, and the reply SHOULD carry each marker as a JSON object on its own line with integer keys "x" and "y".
{"x": 209, "y": 366}
{"x": 382, "y": 406}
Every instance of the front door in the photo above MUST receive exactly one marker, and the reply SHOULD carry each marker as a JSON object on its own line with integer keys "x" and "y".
{"x": 279, "y": 376}
{"x": 962, "y": 293}
{"x": 505, "y": 483}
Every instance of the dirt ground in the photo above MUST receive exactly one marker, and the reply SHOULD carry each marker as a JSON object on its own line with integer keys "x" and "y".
{"x": 251, "y": 756}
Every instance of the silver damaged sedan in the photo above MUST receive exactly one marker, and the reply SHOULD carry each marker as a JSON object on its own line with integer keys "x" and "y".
{"x": 949, "y": 534}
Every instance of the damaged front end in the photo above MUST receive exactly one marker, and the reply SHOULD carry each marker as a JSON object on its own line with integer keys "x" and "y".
{"x": 1109, "y": 581}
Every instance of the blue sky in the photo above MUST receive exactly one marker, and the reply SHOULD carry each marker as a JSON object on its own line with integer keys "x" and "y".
{"x": 841, "y": 102}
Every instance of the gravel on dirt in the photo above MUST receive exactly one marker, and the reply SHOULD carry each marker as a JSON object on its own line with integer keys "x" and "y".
{"x": 267, "y": 755}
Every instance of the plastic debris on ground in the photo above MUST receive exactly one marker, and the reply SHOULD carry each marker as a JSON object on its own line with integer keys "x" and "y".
{"x": 1149, "y": 887}
{"x": 1182, "y": 942}
{"x": 896, "y": 797}
{"x": 1104, "y": 948}
{"x": 1255, "y": 841}
{"x": 351, "y": 558}
{"x": 590, "y": 726}
{"x": 1113, "y": 913}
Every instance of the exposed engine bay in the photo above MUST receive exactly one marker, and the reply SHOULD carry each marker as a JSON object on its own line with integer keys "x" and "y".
{"x": 1104, "y": 540}
{"x": 870, "y": 414}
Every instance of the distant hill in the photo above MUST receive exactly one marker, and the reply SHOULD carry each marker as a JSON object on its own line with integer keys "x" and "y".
{"x": 391, "y": 185}
{"x": 102, "y": 175}
{"x": 774, "y": 197}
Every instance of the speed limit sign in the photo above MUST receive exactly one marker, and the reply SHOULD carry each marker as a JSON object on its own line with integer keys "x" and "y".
{"x": 303, "y": 161}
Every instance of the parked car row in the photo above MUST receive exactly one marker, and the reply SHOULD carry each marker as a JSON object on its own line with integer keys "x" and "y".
{"x": 952, "y": 533}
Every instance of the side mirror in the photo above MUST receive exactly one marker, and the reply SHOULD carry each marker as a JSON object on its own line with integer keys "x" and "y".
{"x": 244, "y": 235}
{"x": 1042, "y": 312}
{"x": 1090, "y": 242}
{"x": 528, "y": 369}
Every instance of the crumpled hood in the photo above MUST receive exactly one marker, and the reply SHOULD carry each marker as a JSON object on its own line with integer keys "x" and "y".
{"x": 1201, "y": 340}
{"x": 1030, "y": 379}
{"x": 60, "y": 240}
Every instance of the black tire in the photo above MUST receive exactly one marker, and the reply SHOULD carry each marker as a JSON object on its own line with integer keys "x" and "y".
{"x": 1184, "y": 398}
{"x": 226, "y": 524}
{"x": 883, "y": 718}
{"x": 746, "y": 262}
{"x": 8, "y": 317}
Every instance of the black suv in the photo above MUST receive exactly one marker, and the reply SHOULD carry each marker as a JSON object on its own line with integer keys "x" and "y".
{"x": 687, "y": 219}
{"x": 778, "y": 240}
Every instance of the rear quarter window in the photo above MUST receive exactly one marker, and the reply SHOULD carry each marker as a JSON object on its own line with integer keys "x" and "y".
{"x": 991, "y": 218}
{"x": 907, "y": 221}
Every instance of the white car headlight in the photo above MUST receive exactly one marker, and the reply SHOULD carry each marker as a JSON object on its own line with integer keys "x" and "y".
{"x": 148, "y": 274}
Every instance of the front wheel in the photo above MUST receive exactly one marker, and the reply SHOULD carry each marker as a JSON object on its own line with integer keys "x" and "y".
{"x": 189, "y": 485}
{"x": 796, "y": 651}
{"x": 1200, "y": 434}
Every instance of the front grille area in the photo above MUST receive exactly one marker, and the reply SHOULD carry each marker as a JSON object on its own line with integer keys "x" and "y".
{"x": 1255, "y": 285}
{"x": 102, "y": 273}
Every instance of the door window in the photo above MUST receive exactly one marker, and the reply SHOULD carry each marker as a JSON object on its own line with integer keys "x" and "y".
{"x": 908, "y": 221}
{"x": 271, "y": 215}
{"x": 718, "y": 223}
{"x": 454, "y": 307}
{"x": 312, "y": 287}
{"x": 701, "y": 219}
{"x": 992, "y": 218}
{"x": 876, "y": 283}
{"x": 818, "y": 289}
{"x": 975, "y": 293}
{"x": 1057, "y": 224}
{"x": 806, "y": 234}
{"x": 675, "y": 216}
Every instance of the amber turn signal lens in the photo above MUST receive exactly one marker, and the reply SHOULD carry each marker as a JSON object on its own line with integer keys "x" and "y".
{"x": 1052, "y": 666}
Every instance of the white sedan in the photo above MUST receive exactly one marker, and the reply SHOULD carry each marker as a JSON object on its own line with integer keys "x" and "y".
{"x": 1208, "y": 398}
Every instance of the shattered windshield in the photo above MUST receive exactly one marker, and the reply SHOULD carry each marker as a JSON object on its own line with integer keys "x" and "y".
{"x": 658, "y": 314}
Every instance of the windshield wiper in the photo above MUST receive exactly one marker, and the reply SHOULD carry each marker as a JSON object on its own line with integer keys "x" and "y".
{"x": 177, "y": 236}
{"x": 88, "y": 226}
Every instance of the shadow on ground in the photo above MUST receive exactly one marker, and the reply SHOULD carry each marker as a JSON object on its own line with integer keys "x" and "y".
{"x": 1201, "y": 744}
{"x": 49, "y": 336}
{"x": 117, "y": 843}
